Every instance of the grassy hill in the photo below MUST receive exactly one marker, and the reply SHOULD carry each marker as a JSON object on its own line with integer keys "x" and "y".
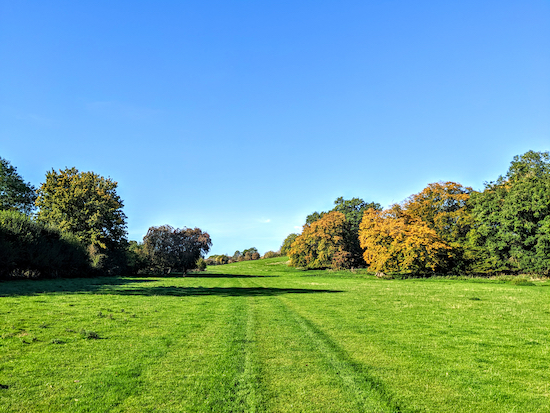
{"x": 258, "y": 336}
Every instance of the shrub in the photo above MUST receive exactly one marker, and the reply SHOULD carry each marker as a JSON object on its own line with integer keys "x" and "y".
{"x": 32, "y": 249}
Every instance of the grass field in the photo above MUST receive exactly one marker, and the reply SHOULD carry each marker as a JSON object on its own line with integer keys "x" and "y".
{"x": 262, "y": 337}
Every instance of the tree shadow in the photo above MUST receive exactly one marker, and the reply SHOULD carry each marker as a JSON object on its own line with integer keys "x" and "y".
{"x": 198, "y": 275}
{"x": 201, "y": 275}
{"x": 64, "y": 285}
{"x": 218, "y": 291}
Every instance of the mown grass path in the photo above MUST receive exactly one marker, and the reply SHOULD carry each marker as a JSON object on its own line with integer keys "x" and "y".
{"x": 262, "y": 337}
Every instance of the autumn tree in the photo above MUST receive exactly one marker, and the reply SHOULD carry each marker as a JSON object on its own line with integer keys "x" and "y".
{"x": 173, "y": 249}
{"x": 512, "y": 216}
{"x": 287, "y": 243}
{"x": 15, "y": 193}
{"x": 324, "y": 243}
{"x": 85, "y": 204}
{"x": 396, "y": 241}
{"x": 251, "y": 254}
{"x": 445, "y": 208}
{"x": 353, "y": 209}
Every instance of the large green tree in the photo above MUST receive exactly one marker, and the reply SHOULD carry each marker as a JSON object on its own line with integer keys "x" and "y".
{"x": 512, "y": 216}
{"x": 173, "y": 249}
{"x": 85, "y": 204}
{"x": 15, "y": 193}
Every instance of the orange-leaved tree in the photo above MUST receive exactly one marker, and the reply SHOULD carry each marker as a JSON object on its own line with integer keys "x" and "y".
{"x": 445, "y": 207}
{"x": 324, "y": 243}
{"x": 396, "y": 241}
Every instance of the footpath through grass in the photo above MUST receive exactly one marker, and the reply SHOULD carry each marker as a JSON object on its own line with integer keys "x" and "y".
{"x": 263, "y": 337}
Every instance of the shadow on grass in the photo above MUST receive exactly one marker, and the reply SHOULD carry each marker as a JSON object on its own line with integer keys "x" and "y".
{"x": 200, "y": 275}
{"x": 219, "y": 291}
{"x": 125, "y": 286}
{"x": 64, "y": 285}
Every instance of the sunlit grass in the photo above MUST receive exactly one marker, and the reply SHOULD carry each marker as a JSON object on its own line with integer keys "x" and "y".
{"x": 261, "y": 336}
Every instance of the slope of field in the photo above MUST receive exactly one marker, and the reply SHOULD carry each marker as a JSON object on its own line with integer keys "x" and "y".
{"x": 263, "y": 337}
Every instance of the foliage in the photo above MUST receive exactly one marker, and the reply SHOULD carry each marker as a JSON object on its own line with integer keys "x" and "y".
{"x": 287, "y": 243}
{"x": 445, "y": 208}
{"x": 324, "y": 243}
{"x": 15, "y": 194}
{"x": 173, "y": 249}
{"x": 201, "y": 264}
{"x": 353, "y": 209}
{"x": 251, "y": 254}
{"x": 271, "y": 254}
{"x": 512, "y": 217}
{"x": 84, "y": 204}
{"x": 136, "y": 258}
{"x": 33, "y": 249}
{"x": 395, "y": 240}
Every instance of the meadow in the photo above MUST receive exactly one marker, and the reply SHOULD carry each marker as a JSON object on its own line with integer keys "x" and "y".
{"x": 258, "y": 336}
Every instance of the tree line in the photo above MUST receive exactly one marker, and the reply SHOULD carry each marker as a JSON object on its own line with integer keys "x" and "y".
{"x": 74, "y": 225}
{"x": 446, "y": 228}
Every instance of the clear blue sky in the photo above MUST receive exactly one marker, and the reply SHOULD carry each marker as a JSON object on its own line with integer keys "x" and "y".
{"x": 242, "y": 117}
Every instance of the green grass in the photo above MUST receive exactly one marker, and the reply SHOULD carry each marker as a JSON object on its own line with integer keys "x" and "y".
{"x": 263, "y": 337}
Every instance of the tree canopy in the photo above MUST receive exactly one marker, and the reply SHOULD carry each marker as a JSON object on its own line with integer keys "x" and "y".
{"x": 512, "y": 216}
{"x": 394, "y": 240}
{"x": 324, "y": 243}
{"x": 15, "y": 194}
{"x": 173, "y": 249}
{"x": 85, "y": 204}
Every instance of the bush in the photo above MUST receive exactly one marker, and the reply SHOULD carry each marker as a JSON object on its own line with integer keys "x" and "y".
{"x": 201, "y": 264}
{"x": 32, "y": 249}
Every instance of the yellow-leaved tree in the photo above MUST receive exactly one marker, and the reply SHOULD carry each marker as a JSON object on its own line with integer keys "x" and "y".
{"x": 396, "y": 241}
{"x": 324, "y": 243}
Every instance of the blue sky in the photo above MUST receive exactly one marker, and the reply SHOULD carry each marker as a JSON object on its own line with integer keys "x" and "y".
{"x": 242, "y": 117}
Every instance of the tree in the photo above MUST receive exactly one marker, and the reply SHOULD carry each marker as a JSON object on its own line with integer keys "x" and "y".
{"x": 287, "y": 243}
{"x": 173, "y": 249}
{"x": 397, "y": 241}
{"x": 512, "y": 217}
{"x": 445, "y": 208}
{"x": 85, "y": 204}
{"x": 353, "y": 210}
{"x": 15, "y": 194}
{"x": 251, "y": 254}
{"x": 324, "y": 243}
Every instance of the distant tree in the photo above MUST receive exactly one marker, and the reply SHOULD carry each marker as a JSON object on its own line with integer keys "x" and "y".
{"x": 396, "y": 241}
{"x": 324, "y": 244}
{"x": 512, "y": 217}
{"x": 136, "y": 257}
{"x": 85, "y": 204}
{"x": 236, "y": 256}
{"x": 15, "y": 194}
{"x": 287, "y": 243}
{"x": 271, "y": 254}
{"x": 353, "y": 209}
{"x": 173, "y": 249}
